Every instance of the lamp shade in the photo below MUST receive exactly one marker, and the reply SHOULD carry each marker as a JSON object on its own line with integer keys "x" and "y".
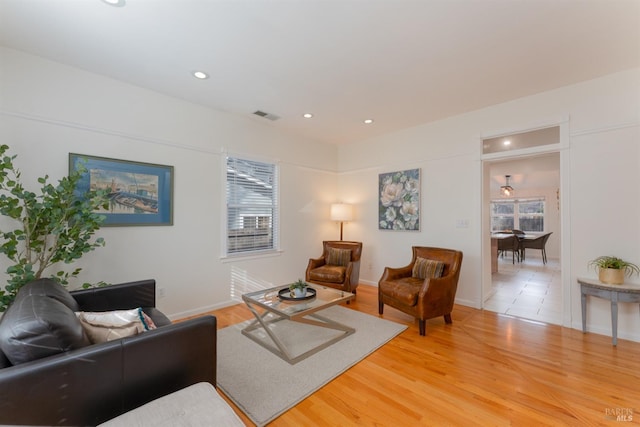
{"x": 341, "y": 212}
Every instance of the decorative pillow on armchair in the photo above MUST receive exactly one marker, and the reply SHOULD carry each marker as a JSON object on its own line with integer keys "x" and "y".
{"x": 427, "y": 268}
{"x": 340, "y": 257}
{"x": 112, "y": 325}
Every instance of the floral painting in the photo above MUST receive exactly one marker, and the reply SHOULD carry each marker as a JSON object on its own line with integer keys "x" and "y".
{"x": 399, "y": 203}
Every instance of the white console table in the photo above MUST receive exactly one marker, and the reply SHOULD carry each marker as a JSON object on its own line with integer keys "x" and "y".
{"x": 627, "y": 292}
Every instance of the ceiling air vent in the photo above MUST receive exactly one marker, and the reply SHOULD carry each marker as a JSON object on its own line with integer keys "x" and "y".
{"x": 269, "y": 116}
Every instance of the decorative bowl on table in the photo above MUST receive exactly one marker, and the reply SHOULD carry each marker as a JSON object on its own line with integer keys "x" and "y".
{"x": 287, "y": 294}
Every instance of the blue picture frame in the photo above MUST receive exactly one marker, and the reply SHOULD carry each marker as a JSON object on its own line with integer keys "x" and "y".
{"x": 139, "y": 193}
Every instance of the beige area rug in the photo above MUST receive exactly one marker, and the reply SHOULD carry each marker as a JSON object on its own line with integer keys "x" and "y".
{"x": 264, "y": 386}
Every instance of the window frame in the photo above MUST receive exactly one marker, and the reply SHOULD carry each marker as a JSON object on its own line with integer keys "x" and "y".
{"x": 516, "y": 213}
{"x": 274, "y": 206}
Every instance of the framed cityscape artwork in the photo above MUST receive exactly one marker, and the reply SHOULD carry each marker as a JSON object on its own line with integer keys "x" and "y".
{"x": 399, "y": 200}
{"x": 139, "y": 193}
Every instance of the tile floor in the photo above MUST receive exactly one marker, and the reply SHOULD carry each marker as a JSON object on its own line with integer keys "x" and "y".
{"x": 529, "y": 289}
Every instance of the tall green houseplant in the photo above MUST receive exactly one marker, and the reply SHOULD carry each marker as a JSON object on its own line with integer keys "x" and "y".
{"x": 40, "y": 230}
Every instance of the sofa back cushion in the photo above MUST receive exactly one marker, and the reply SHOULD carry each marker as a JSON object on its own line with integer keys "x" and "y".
{"x": 37, "y": 326}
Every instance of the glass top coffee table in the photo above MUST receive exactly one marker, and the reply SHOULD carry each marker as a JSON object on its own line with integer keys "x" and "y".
{"x": 293, "y": 329}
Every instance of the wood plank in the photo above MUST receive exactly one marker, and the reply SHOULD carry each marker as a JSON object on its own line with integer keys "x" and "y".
{"x": 484, "y": 369}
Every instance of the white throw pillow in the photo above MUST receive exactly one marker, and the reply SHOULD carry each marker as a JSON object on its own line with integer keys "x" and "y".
{"x": 112, "y": 325}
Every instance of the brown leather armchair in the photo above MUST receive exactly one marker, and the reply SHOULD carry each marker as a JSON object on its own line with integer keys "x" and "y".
{"x": 424, "y": 298}
{"x": 338, "y": 267}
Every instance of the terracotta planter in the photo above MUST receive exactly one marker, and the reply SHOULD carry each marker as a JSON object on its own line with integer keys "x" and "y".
{"x": 611, "y": 276}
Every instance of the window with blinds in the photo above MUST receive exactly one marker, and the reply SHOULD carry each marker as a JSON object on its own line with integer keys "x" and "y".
{"x": 252, "y": 208}
{"x": 524, "y": 214}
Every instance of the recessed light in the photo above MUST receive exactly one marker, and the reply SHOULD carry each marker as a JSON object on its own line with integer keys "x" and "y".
{"x": 368, "y": 121}
{"x": 307, "y": 115}
{"x": 116, "y": 3}
{"x": 507, "y": 142}
{"x": 200, "y": 75}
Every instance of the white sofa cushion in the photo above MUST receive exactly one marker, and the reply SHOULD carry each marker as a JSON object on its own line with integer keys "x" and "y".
{"x": 196, "y": 405}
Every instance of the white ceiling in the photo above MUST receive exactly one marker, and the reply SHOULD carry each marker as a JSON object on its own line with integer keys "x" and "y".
{"x": 530, "y": 173}
{"x": 400, "y": 62}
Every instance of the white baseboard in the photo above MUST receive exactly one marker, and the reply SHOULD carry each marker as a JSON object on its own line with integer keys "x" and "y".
{"x": 606, "y": 331}
{"x": 468, "y": 303}
{"x": 201, "y": 310}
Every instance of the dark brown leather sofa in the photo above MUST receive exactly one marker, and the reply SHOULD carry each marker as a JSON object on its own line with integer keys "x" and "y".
{"x": 97, "y": 382}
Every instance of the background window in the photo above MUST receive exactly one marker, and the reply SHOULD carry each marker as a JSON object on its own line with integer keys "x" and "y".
{"x": 531, "y": 215}
{"x": 252, "y": 210}
{"x": 526, "y": 215}
{"x": 502, "y": 216}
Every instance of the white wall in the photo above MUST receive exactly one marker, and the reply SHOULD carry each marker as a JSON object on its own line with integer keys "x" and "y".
{"x": 48, "y": 110}
{"x": 603, "y": 209}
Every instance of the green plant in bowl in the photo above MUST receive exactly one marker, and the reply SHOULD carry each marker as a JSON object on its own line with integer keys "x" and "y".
{"x": 298, "y": 288}
{"x": 612, "y": 269}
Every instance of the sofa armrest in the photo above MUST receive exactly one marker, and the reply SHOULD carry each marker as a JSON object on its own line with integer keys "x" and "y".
{"x": 93, "y": 384}
{"x": 123, "y": 296}
{"x": 179, "y": 355}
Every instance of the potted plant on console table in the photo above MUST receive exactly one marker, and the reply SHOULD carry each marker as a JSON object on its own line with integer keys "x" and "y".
{"x": 612, "y": 270}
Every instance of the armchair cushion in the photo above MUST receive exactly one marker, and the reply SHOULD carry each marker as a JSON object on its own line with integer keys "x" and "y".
{"x": 339, "y": 257}
{"x": 427, "y": 268}
{"x": 328, "y": 273}
{"x": 404, "y": 290}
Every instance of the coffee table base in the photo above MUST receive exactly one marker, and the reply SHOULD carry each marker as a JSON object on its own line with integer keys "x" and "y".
{"x": 277, "y": 347}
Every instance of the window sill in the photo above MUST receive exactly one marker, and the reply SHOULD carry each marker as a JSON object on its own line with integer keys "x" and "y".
{"x": 250, "y": 256}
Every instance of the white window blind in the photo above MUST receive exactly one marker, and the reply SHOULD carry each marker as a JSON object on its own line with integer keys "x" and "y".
{"x": 252, "y": 209}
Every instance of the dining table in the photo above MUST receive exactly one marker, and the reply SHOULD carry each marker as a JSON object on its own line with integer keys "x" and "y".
{"x": 495, "y": 237}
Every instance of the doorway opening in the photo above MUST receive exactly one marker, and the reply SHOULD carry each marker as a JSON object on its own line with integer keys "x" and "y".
{"x": 519, "y": 280}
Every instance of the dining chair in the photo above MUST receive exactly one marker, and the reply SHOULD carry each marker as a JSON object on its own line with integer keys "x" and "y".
{"x": 537, "y": 243}
{"x": 510, "y": 244}
{"x": 520, "y": 235}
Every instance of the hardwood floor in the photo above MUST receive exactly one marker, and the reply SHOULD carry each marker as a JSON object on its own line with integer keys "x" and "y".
{"x": 484, "y": 369}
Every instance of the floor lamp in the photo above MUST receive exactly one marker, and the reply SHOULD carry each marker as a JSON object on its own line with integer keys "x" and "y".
{"x": 341, "y": 212}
